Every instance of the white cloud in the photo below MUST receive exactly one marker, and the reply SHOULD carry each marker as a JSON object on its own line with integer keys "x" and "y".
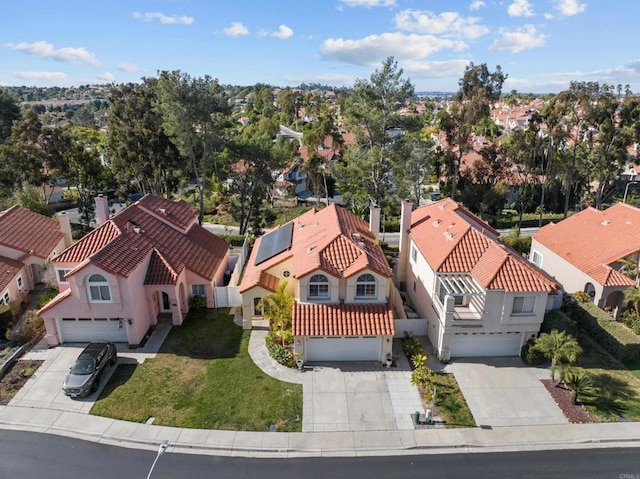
{"x": 568, "y": 8}
{"x": 548, "y": 16}
{"x": 46, "y": 77}
{"x": 162, "y": 18}
{"x": 128, "y": 67}
{"x": 235, "y": 30}
{"x": 374, "y": 48}
{"x": 446, "y": 23}
{"x": 368, "y": 3}
{"x": 283, "y": 33}
{"x": 68, "y": 55}
{"x": 436, "y": 69}
{"x": 107, "y": 76}
{"x": 520, "y": 8}
{"x": 515, "y": 41}
{"x": 476, "y": 5}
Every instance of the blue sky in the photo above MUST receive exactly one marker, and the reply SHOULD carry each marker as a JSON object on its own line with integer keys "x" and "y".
{"x": 541, "y": 44}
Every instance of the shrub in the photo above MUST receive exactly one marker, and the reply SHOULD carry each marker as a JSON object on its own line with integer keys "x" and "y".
{"x": 631, "y": 319}
{"x": 233, "y": 240}
{"x": 5, "y": 316}
{"x": 411, "y": 345}
{"x": 280, "y": 353}
{"x": 556, "y": 319}
{"x": 582, "y": 297}
{"x": 522, "y": 244}
{"x": 48, "y": 296}
{"x": 27, "y": 329}
{"x": 530, "y": 355}
{"x": 198, "y": 302}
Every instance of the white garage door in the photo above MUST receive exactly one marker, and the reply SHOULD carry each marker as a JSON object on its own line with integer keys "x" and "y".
{"x": 80, "y": 330}
{"x": 361, "y": 348}
{"x": 481, "y": 344}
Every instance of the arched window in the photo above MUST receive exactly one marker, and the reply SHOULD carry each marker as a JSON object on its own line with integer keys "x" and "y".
{"x": 366, "y": 286}
{"x": 318, "y": 286}
{"x": 99, "y": 288}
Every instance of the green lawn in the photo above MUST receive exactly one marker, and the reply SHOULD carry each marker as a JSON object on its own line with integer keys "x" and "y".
{"x": 203, "y": 378}
{"x": 452, "y": 407}
{"x": 634, "y": 368}
{"x": 617, "y": 389}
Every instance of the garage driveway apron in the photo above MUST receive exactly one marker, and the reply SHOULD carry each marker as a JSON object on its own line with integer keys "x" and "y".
{"x": 505, "y": 392}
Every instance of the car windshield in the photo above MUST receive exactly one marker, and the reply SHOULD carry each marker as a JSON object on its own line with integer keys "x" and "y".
{"x": 82, "y": 367}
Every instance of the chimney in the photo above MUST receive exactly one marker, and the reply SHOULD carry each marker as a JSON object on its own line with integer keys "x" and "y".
{"x": 405, "y": 225}
{"x": 102, "y": 210}
{"x": 374, "y": 220}
{"x": 65, "y": 227}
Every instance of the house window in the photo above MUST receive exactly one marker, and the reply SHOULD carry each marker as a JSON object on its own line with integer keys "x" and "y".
{"x": 19, "y": 281}
{"x": 536, "y": 258}
{"x": 318, "y": 286}
{"x": 366, "y": 286}
{"x": 99, "y": 289}
{"x": 257, "y": 307}
{"x": 5, "y": 299}
{"x": 61, "y": 275}
{"x": 198, "y": 290}
{"x": 414, "y": 253}
{"x": 523, "y": 305}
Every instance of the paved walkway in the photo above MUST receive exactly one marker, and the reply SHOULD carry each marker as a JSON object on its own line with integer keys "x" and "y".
{"x": 341, "y": 443}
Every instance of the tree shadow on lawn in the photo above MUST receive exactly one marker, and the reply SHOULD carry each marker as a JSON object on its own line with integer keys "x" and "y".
{"x": 610, "y": 395}
{"x": 205, "y": 334}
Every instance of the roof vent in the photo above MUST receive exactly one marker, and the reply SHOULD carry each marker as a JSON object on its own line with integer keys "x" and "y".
{"x": 310, "y": 249}
{"x": 356, "y": 236}
{"x": 436, "y": 223}
{"x": 449, "y": 236}
{"x": 165, "y": 211}
{"x": 606, "y": 223}
{"x": 138, "y": 230}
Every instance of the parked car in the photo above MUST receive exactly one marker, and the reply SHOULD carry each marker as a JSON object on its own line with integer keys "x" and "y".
{"x": 87, "y": 371}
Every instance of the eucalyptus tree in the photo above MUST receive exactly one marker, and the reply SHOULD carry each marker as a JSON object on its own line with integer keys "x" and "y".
{"x": 137, "y": 146}
{"x": 371, "y": 111}
{"x": 471, "y": 106}
{"x": 195, "y": 113}
{"x": 9, "y": 112}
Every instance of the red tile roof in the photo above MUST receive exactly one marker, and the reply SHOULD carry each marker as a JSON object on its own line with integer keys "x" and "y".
{"x": 454, "y": 240}
{"x": 126, "y": 240}
{"x": 9, "y": 268}
{"x": 23, "y": 230}
{"x": 593, "y": 240}
{"x": 332, "y": 239}
{"x": 313, "y": 319}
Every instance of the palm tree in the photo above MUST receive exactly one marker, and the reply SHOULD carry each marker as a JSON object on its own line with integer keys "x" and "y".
{"x": 633, "y": 296}
{"x": 558, "y": 346}
{"x": 580, "y": 384}
{"x": 277, "y": 308}
{"x": 629, "y": 268}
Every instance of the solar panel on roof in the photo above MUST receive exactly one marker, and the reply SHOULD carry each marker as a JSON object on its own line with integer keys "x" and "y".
{"x": 275, "y": 243}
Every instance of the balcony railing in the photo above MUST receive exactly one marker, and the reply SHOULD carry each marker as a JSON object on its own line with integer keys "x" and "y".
{"x": 466, "y": 314}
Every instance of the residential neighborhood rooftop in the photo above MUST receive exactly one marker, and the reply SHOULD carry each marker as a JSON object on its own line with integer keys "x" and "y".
{"x": 32, "y": 233}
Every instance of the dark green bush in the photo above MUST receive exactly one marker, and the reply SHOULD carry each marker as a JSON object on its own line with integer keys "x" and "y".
{"x": 618, "y": 339}
{"x": 522, "y": 244}
{"x": 278, "y": 352}
{"x": 198, "y": 302}
{"x": 5, "y": 316}
{"x": 530, "y": 355}
{"x": 632, "y": 320}
{"x": 556, "y": 319}
{"x": 48, "y": 296}
{"x": 233, "y": 240}
{"x": 411, "y": 345}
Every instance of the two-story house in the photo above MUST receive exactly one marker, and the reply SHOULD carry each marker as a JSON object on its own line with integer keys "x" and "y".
{"x": 479, "y": 297}
{"x": 142, "y": 265}
{"x": 584, "y": 252}
{"x": 28, "y": 243}
{"x": 339, "y": 278}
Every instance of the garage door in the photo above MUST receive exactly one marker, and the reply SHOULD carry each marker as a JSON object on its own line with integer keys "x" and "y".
{"x": 80, "y": 330}
{"x": 483, "y": 344}
{"x": 361, "y": 348}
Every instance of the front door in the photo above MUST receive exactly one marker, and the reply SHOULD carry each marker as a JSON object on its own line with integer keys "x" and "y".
{"x": 165, "y": 304}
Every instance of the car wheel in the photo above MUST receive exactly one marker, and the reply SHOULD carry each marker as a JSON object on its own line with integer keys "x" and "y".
{"x": 94, "y": 386}
{"x": 114, "y": 359}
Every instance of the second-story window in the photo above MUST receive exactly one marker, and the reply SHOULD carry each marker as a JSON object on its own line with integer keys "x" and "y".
{"x": 318, "y": 286}
{"x": 366, "y": 286}
{"x": 99, "y": 290}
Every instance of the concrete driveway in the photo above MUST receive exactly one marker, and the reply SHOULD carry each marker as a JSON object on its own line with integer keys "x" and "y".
{"x": 505, "y": 392}
{"x": 358, "y": 396}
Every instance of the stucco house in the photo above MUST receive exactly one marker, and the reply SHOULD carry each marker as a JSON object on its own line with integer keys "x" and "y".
{"x": 479, "y": 297}
{"x": 140, "y": 266}
{"x": 28, "y": 243}
{"x": 582, "y": 252}
{"x": 340, "y": 281}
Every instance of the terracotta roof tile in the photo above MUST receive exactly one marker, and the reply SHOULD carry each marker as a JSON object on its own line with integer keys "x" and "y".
{"x": 23, "y": 230}
{"x": 179, "y": 213}
{"x": 159, "y": 272}
{"x": 9, "y": 268}
{"x": 122, "y": 243}
{"x": 592, "y": 239}
{"x": 332, "y": 239}
{"x": 312, "y": 319}
{"x": 454, "y": 240}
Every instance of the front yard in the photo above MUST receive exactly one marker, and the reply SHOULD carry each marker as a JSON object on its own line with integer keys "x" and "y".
{"x": 202, "y": 378}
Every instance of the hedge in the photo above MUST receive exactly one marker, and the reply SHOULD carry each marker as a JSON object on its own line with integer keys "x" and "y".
{"x": 618, "y": 339}
{"x": 556, "y": 319}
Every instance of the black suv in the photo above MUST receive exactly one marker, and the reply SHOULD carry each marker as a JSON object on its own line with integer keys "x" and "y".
{"x": 86, "y": 372}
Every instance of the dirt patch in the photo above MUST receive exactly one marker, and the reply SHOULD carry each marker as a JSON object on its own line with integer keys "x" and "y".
{"x": 15, "y": 378}
{"x": 575, "y": 413}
